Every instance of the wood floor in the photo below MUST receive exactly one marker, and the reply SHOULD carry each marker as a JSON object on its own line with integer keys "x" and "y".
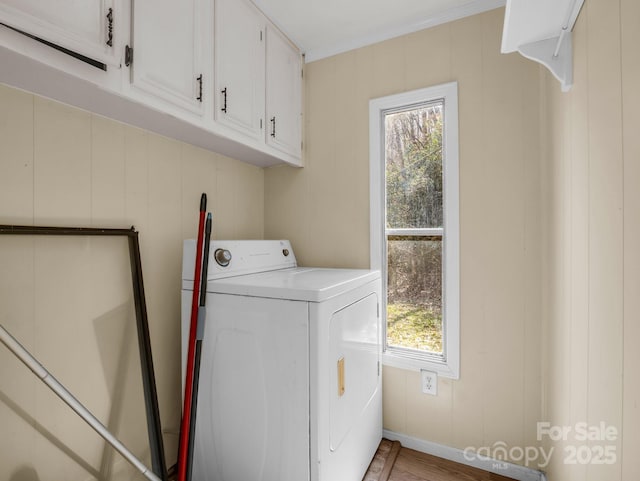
{"x": 392, "y": 462}
{"x": 395, "y": 463}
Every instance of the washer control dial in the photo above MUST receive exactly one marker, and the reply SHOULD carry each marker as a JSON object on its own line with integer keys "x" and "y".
{"x": 222, "y": 256}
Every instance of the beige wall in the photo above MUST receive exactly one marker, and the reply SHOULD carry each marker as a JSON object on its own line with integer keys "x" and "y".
{"x": 324, "y": 210}
{"x": 591, "y": 162}
{"x": 550, "y": 265}
{"x": 70, "y": 300}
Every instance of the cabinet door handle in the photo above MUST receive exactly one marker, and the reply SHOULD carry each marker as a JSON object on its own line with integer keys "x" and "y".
{"x": 110, "y": 28}
{"x": 224, "y": 95}
{"x": 128, "y": 55}
{"x": 273, "y": 127}
{"x": 199, "y": 79}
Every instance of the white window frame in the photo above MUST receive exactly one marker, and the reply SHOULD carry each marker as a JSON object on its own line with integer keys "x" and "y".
{"x": 449, "y": 365}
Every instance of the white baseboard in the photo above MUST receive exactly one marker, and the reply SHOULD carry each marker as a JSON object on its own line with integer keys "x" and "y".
{"x": 509, "y": 470}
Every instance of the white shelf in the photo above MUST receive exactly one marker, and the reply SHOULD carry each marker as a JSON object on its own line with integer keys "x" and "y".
{"x": 540, "y": 30}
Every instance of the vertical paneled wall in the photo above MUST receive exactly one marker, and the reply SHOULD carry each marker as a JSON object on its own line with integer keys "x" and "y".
{"x": 591, "y": 163}
{"x": 324, "y": 210}
{"x": 630, "y": 70}
{"x": 550, "y": 264}
{"x": 70, "y": 301}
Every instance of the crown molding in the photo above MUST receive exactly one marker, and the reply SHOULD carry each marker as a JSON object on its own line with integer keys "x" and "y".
{"x": 466, "y": 10}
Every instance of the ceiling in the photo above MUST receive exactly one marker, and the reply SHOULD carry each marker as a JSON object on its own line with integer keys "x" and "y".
{"x": 322, "y": 28}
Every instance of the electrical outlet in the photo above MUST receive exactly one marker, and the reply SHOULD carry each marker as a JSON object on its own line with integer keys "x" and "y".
{"x": 429, "y": 382}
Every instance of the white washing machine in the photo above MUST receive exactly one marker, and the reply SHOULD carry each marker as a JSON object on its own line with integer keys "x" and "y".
{"x": 290, "y": 378}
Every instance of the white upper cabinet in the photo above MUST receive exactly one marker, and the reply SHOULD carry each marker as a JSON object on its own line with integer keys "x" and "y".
{"x": 239, "y": 66}
{"x": 89, "y": 28}
{"x": 284, "y": 101}
{"x": 170, "y": 41}
{"x": 214, "y": 73}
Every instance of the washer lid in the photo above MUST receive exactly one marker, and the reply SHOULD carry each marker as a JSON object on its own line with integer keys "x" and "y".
{"x": 299, "y": 284}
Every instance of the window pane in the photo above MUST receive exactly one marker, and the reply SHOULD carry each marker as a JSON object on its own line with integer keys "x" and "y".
{"x": 414, "y": 293}
{"x": 413, "y": 160}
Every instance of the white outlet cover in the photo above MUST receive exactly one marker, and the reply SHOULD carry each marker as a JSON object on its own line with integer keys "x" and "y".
{"x": 429, "y": 382}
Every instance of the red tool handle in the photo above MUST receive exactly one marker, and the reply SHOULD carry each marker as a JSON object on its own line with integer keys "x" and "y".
{"x": 185, "y": 426}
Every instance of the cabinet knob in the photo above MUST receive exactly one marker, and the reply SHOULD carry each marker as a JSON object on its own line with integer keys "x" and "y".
{"x": 273, "y": 127}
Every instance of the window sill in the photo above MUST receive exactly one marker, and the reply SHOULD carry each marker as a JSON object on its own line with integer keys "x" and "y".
{"x": 394, "y": 359}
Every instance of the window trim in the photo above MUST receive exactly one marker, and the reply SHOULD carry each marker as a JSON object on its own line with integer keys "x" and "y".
{"x": 407, "y": 358}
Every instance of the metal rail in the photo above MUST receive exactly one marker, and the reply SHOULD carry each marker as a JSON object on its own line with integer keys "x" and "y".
{"x": 154, "y": 427}
{"x": 45, "y": 376}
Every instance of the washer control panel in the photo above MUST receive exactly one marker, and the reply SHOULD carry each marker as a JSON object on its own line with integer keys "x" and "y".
{"x": 239, "y": 257}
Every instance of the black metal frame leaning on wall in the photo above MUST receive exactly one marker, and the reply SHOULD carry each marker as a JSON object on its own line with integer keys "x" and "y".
{"x": 154, "y": 428}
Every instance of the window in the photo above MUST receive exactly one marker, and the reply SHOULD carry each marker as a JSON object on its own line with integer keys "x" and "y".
{"x": 415, "y": 226}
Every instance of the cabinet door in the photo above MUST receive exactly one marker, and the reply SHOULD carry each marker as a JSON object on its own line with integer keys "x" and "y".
{"x": 169, "y": 39}
{"x": 284, "y": 91}
{"x": 87, "y": 28}
{"x": 239, "y": 66}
